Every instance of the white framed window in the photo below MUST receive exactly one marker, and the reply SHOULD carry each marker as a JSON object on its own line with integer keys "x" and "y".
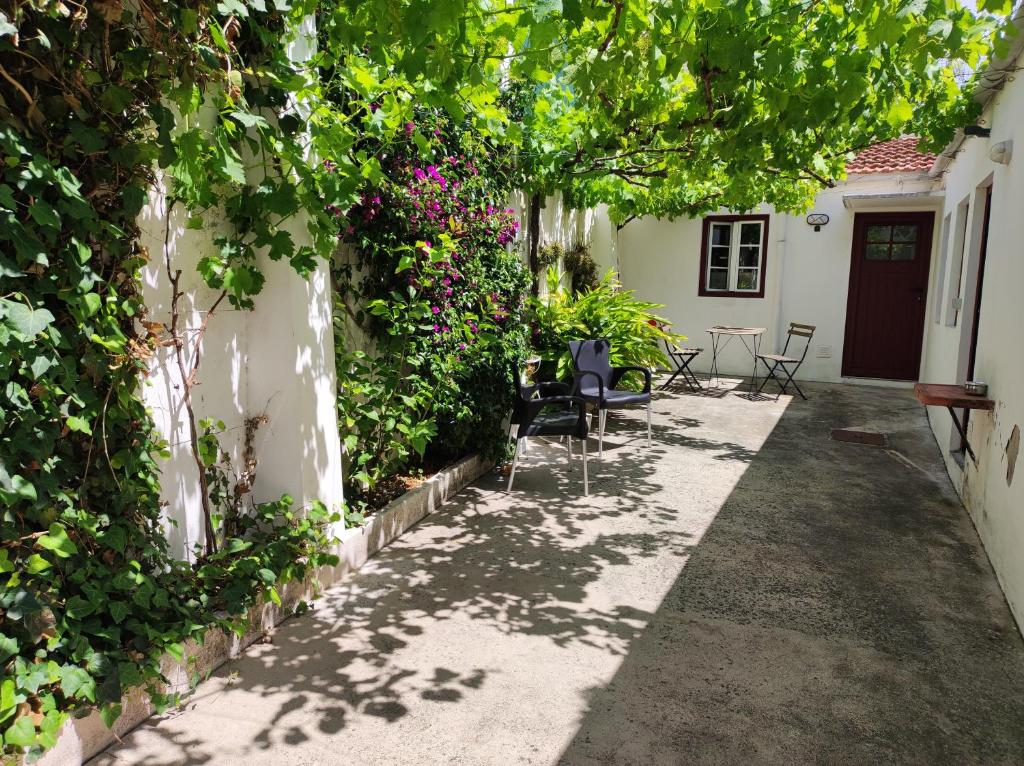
{"x": 733, "y": 256}
{"x": 940, "y": 276}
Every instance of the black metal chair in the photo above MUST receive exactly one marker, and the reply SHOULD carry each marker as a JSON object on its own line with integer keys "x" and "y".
{"x": 596, "y": 379}
{"x": 681, "y": 358}
{"x": 781, "y": 362}
{"x": 560, "y": 414}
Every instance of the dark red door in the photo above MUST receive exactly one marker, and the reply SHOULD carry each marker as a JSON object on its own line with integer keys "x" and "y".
{"x": 888, "y": 287}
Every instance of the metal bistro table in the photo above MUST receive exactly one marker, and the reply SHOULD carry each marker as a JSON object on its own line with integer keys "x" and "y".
{"x": 720, "y": 337}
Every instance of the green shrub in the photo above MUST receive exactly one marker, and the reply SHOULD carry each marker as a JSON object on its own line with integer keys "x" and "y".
{"x": 442, "y": 300}
{"x": 607, "y": 312}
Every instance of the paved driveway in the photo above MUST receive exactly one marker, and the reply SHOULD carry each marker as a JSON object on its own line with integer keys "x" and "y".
{"x": 745, "y": 591}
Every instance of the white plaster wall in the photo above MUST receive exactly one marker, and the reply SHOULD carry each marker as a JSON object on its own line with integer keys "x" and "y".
{"x": 568, "y": 227}
{"x": 660, "y": 261}
{"x": 806, "y": 278}
{"x": 815, "y": 267}
{"x": 996, "y": 507}
{"x": 277, "y": 360}
{"x": 603, "y": 237}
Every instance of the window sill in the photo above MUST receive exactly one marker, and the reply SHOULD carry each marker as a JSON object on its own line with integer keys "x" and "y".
{"x": 701, "y": 293}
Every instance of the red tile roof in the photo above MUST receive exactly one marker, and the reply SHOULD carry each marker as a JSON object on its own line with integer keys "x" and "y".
{"x": 897, "y": 156}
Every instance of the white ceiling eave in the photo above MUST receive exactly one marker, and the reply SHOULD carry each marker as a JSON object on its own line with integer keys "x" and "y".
{"x": 923, "y": 200}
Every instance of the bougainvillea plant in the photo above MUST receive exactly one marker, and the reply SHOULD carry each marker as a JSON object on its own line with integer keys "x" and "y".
{"x": 440, "y": 293}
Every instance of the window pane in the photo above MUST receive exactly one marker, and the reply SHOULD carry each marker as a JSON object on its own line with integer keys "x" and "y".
{"x": 749, "y": 256}
{"x": 746, "y": 279}
{"x": 750, "y": 234}
{"x": 720, "y": 257}
{"x": 904, "y": 234}
{"x": 721, "y": 234}
{"x": 878, "y": 252}
{"x": 718, "y": 279}
{"x": 903, "y": 252}
{"x": 879, "y": 233}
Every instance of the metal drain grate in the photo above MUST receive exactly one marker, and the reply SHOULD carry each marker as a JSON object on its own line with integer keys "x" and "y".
{"x": 859, "y": 437}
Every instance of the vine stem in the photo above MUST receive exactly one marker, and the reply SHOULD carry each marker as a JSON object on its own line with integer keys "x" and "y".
{"x": 187, "y": 372}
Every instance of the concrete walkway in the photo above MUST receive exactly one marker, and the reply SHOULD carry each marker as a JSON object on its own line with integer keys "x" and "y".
{"x": 746, "y": 591}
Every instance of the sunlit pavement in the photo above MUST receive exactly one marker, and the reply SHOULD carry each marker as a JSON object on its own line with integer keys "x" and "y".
{"x": 743, "y": 591}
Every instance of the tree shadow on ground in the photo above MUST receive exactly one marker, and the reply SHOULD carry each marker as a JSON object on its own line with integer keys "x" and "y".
{"x": 837, "y": 608}
{"x": 523, "y": 568}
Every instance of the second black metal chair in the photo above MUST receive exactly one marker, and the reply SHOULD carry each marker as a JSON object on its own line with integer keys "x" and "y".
{"x": 554, "y": 414}
{"x": 596, "y": 382}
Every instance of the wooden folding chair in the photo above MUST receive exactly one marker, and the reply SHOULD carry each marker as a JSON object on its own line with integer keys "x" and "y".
{"x": 782, "y": 363}
{"x": 681, "y": 358}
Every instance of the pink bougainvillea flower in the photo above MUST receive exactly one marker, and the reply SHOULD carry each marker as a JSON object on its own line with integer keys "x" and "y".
{"x": 420, "y": 175}
{"x": 435, "y": 310}
{"x": 409, "y": 128}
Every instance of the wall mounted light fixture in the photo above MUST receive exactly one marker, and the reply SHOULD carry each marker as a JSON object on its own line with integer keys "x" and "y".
{"x": 817, "y": 220}
{"x": 1001, "y": 153}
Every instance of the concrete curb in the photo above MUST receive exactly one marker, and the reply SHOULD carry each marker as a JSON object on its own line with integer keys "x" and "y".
{"x": 84, "y": 738}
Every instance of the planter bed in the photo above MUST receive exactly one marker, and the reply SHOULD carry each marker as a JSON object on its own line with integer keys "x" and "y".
{"x": 84, "y": 738}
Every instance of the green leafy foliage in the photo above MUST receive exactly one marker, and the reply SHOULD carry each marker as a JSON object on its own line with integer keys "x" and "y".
{"x": 676, "y": 108}
{"x": 441, "y": 300}
{"x": 90, "y": 598}
{"x": 606, "y": 312}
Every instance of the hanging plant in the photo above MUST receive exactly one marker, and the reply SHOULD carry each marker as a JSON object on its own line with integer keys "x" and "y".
{"x": 581, "y": 265}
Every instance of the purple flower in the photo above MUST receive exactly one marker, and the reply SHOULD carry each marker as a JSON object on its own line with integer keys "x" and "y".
{"x": 432, "y": 172}
{"x": 435, "y": 310}
{"x": 420, "y": 175}
{"x": 409, "y": 128}
{"x": 437, "y": 328}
